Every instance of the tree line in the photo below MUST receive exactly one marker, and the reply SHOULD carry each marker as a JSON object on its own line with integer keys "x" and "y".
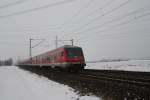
{"x": 7, "y": 62}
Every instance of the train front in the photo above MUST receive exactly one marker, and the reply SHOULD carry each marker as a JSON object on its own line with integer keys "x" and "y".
{"x": 75, "y": 58}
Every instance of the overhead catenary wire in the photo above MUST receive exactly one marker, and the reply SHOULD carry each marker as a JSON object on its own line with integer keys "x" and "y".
{"x": 101, "y": 16}
{"x": 101, "y": 31}
{"x": 97, "y": 34}
{"x": 47, "y": 45}
{"x": 37, "y": 8}
{"x": 120, "y": 24}
{"x": 135, "y": 18}
{"x": 85, "y": 7}
{"x": 122, "y": 17}
{"x": 61, "y": 27}
{"x": 126, "y": 35}
{"x": 94, "y": 11}
{"x": 119, "y": 35}
{"x": 77, "y": 14}
{"x": 37, "y": 44}
{"x": 13, "y": 4}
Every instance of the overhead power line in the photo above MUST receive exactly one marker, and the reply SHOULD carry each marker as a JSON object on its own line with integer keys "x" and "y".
{"x": 37, "y": 8}
{"x": 134, "y": 18}
{"x": 95, "y": 11}
{"x": 91, "y": 13}
{"x": 38, "y": 43}
{"x": 120, "y": 24}
{"x": 117, "y": 36}
{"x": 116, "y": 19}
{"x": 101, "y": 16}
{"x": 111, "y": 28}
{"x": 12, "y": 4}
{"x": 77, "y": 13}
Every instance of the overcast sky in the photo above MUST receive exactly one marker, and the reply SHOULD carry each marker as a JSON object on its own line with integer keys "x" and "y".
{"x": 103, "y": 28}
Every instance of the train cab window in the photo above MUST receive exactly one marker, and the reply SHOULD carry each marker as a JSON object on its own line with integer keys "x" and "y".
{"x": 74, "y": 52}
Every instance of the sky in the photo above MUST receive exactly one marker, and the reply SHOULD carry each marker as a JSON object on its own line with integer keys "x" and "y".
{"x": 103, "y": 28}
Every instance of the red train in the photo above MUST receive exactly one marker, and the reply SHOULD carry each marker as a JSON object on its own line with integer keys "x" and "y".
{"x": 67, "y": 57}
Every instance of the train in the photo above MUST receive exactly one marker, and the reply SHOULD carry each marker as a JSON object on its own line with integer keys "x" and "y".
{"x": 66, "y": 58}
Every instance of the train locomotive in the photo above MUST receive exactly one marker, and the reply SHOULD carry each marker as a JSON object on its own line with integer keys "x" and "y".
{"x": 67, "y": 57}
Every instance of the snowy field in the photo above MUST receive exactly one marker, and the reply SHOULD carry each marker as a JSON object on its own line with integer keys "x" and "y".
{"x": 131, "y": 65}
{"x": 17, "y": 84}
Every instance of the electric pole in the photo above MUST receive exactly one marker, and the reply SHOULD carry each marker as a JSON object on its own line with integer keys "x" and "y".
{"x": 71, "y": 41}
{"x": 30, "y": 47}
{"x": 56, "y": 41}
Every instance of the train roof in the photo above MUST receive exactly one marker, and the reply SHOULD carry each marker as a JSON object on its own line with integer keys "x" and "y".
{"x": 65, "y": 46}
{"x": 69, "y": 46}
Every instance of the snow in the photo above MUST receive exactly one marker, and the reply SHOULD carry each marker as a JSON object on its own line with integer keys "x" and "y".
{"x": 131, "y": 65}
{"x": 17, "y": 84}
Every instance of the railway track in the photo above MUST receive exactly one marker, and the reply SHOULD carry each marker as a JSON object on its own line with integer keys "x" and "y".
{"x": 104, "y": 84}
{"x": 125, "y": 77}
{"x": 132, "y": 78}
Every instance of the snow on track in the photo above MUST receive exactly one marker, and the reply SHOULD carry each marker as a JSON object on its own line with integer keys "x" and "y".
{"x": 17, "y": 84}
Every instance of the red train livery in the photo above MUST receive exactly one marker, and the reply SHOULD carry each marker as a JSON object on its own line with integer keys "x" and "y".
{"x": 66, "y": 57}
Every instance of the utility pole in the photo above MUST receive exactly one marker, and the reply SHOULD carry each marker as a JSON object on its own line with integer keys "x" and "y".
{"x": 56, "y": 41}
{"x": 30, "y": 47}
{"x": 71, "y": 41}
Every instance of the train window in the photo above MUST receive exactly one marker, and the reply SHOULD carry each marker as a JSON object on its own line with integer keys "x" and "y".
{"x": 62, "y": 53}
{"x": 54, "y": 58}
{"x": 74, "y": 52}
{"x": 48, "y": 58}
{"x": 36, "y": 58}
{"x": 42, "y": 59}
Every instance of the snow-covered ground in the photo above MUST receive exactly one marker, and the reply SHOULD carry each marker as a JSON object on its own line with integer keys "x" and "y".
{"x": 131, "y": 65}
{"x": 17, "y": 84}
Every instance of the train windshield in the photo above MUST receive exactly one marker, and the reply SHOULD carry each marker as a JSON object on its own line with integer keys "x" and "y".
{"x": 74, "y": 52}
